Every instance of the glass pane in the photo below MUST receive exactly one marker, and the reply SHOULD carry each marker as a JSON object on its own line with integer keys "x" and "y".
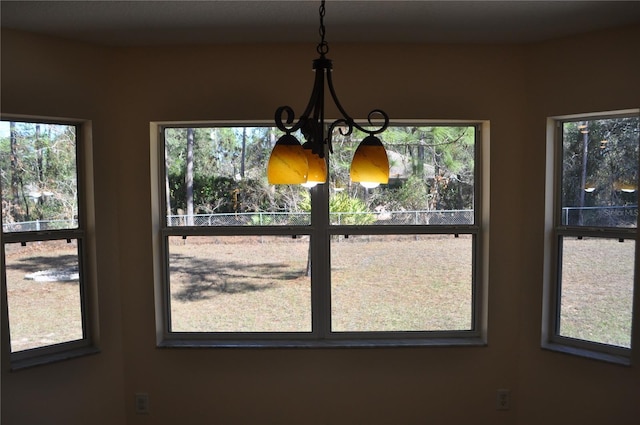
{"x": 240, "y": 284}
{"x": 597, "y": 290}
{"x": 600, "y": 172}
{"x": 401, "y": 283}
{"x": 43, "y": 294}
{"x": 216, "y": 176}
{"x": 431, "y": 178}
{"x": 39, "y": 176}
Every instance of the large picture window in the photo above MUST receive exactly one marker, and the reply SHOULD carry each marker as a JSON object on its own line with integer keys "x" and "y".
{"x": 595, "y": 233}
{"x": 44, "y": 276}
{"x": 245, "y": 262}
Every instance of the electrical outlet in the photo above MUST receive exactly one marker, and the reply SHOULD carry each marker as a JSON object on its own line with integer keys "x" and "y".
{"x": 503, "y": 399}
{"x": 142, "y": 403}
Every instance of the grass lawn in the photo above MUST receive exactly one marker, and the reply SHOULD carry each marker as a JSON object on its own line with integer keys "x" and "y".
{"x": 42, "y": 312}
{"x": 597, "y": 290}
{"x": 259, "y": 284}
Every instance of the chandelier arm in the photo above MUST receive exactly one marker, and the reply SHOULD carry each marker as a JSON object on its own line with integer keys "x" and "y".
{"x": 338, "y": 123}
{"x": 318, "y": 85}
{"x": 282, "y": 125}
{"x": 384, "y": 125}
{"x": 350, "y": 121}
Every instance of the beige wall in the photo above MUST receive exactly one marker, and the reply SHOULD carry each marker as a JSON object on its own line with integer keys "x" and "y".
{"x": 588, "y": 74}
{"x": 49, "y": 78}
{"x": 515, "y": 87}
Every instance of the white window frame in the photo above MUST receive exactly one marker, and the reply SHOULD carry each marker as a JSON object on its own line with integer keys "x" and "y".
{"x": 555, "y": 230}
{"x": 320, "y": 229}
{"x": 85, "y": 236}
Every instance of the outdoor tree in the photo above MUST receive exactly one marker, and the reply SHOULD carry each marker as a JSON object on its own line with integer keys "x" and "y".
{"x": 38, "y": 172}
{"x": 188, "y": 179}
{"x": 432, "y": 168}
{"x": 600, "y": 163}
{"x": 228, "y": 171}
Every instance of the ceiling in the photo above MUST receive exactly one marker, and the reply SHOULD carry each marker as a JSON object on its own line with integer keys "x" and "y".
{"x": 146, "y": 23}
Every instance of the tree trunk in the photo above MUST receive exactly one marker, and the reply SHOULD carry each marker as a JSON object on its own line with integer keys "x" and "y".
{"x": 583, "y": 177}
{"x": 189, "y": 175}
{"x": 166, "y": 183}
{"x": 15, "y": 179}
{"x": 244, "y": 148}
{"x": 17, "y": 212}
{"x": 41, "y": 181}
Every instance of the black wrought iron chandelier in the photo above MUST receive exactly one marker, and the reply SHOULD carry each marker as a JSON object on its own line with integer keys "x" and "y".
{"x": 293, "y": 163}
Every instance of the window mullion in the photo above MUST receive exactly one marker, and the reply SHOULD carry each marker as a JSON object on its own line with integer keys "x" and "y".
{"x": 50, "y": 235}
{"x": 320, "y": 261}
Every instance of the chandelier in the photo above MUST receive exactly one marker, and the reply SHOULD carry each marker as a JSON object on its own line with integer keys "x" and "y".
{"x": 293, "y": 163}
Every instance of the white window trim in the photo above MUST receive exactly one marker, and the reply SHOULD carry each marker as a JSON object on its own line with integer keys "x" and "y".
{"x": 85, "y": 234}
{"x": 321, "y": 336}
{"x": 551, "y": 340}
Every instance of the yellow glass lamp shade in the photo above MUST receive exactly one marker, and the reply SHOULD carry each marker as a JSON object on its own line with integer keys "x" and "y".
{"x": 288, "y": 162}
{"x": 370, "y": 165}
{"x": 317, "y": 173}
{"x": 624, "y": 187}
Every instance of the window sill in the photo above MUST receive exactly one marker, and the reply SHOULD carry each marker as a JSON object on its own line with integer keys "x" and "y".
{"x": 326, "y": 343}
{"x": 23, "y": 360}
{"x": 588, "y": 353}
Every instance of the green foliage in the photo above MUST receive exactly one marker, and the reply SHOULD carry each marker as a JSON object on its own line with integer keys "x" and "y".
{"x": 352, "y": 211}
{"x": 432, "y": 167}
{"x": 260, "y": 220}
{"x": 229, "y": 171}
{"x": 413, "y": 194}
{"x": 436, "y": 170}
{"x": 219, "y": 194}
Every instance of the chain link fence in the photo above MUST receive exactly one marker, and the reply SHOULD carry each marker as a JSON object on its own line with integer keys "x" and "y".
{"x": 615, "y": 216}
{"x": 39, "y": 225}
{"x": 240, "y": 219}
{"x": 624, "y": 216}
{"x": 444, "y": 217}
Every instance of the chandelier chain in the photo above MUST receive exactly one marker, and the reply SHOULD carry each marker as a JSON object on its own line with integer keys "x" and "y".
{"x": 323, "y": 46}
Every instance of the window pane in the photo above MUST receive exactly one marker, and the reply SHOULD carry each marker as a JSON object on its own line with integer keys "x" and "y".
{"x": 600, "y": 172}
{"x": 401, "y": 283}
{"x": 239, "y": 284}
{"x": 431, "y": 178}
{"x": 39, "y": 176}
{"x": 43, "y": 294}
{"x": 597, "y": 290}
{"x": 216, "y": 176}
